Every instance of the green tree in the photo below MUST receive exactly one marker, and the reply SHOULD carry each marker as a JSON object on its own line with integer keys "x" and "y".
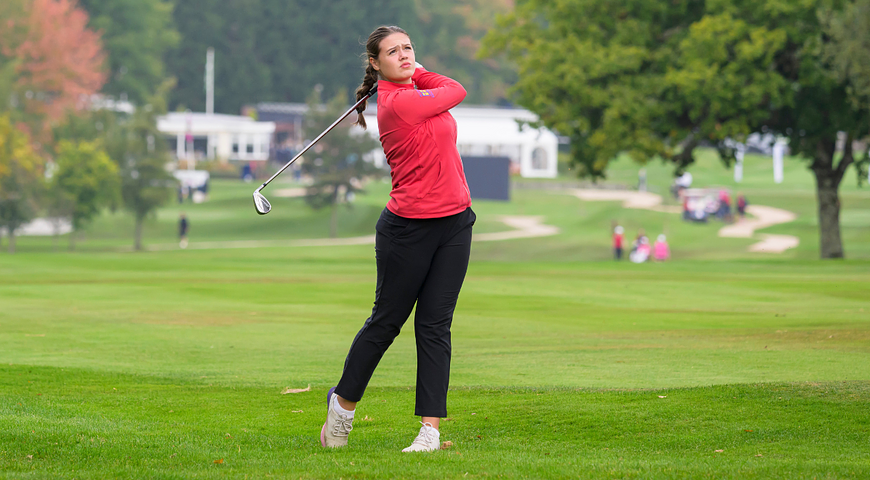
{"x": 232, "y": 29}
{"x": 136, "y": 147}
{"x": 136, "y": 35}
{"x": 88, "y": 179}
{"x": 447, "y": 36}
{"x": 337, "y": 163}
{"x": 141, "y": 154}
{"x": 656, "y": 79}
{"x": 848, "y": 51}
{"x": 274, "y": 50}
{"x": 21, "y": 180}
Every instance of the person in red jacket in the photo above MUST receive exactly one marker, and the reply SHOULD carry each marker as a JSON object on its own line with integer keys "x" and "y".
{"x": 423, "y": 237}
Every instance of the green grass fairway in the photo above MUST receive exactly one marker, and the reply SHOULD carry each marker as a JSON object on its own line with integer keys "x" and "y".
{"x": 170, "y": 364}
{"x": 160, "y": 364}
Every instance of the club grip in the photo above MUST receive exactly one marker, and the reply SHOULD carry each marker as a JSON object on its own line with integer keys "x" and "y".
{"x": 372, "y": 91}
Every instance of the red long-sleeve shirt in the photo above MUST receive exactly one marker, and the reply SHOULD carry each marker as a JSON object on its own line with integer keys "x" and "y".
{"x": 419, "y": 139}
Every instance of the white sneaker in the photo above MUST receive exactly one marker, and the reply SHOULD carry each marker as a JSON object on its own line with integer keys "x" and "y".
{"x": 428, "y": 440}
{"x": 337, "y": 426}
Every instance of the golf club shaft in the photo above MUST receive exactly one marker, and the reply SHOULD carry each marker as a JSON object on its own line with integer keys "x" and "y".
{"x": 366, "y": 97}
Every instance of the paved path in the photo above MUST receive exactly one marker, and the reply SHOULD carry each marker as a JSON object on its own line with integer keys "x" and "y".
{"x": 764, "y": 217}
{"x": 523, "y": 227}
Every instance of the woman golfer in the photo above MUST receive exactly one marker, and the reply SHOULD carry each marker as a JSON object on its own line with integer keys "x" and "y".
{"x": 423, "y": 236}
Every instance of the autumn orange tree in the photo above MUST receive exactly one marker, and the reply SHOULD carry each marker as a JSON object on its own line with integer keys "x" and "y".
{"x": 56, "y": 61}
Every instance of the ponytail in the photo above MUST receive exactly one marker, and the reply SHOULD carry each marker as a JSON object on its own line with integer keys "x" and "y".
{"x": 369, "y": 81}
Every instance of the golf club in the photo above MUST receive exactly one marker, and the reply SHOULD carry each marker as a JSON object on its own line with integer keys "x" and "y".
{"x": 260, "y": 203}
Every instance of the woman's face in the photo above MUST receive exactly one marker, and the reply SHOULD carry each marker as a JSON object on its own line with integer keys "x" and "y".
{"x": 396, "y": 61}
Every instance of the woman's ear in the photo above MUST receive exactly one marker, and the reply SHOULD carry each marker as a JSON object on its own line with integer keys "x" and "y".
{"x": 375, "y": 64}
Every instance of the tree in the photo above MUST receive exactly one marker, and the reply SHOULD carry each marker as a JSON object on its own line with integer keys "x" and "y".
{"x": 137, "y": 146}
{"x": 848, "y": 51}
{"x": 87, "y": 178}
{"x": 136, "y": 35}
{"x": 337, "y": 162}
{"x": 232, "y": 28}
{"x": 21, "y": 179}
{"x": 447, "y": 38}
{"x": 658, "y": 79}
{"x": 58, "y": 62}
{"x": 12, "y": 33}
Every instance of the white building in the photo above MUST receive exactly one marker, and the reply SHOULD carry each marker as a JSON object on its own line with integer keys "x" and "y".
{"x": 497, "y": 132}
{"x": 225, "y": 137}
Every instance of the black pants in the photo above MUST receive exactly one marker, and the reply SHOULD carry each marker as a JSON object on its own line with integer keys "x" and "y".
{"x": 420, "y": 261}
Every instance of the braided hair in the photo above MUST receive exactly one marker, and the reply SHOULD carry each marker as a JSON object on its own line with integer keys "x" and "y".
{"x": 370, "y": 79}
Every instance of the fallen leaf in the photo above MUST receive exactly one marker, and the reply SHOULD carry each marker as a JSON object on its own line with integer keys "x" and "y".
{"x": 473, "y": 413}
{"x": 750, "y": 431}
{"x": 759, "y": 455}
{"x": 368, "y": 419}
{"x": 719, "y": 451}
{"x": 446, "y": 445}
{"x": 297, "y": 411}
{"x": 296, "y": 390}
{"x": 219, "y": 461}
{"x": 229, "y": 436}
{"x": 663, "y": 396}
{"x": 30, "y": 457}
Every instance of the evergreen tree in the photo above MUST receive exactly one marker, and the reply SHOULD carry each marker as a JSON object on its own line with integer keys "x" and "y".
{"x": 338, "y": 162}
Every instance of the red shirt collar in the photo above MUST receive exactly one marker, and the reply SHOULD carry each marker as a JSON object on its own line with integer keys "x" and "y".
{"x": 388, "y": 86}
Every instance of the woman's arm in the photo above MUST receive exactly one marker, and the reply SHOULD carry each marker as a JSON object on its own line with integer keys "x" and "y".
{"x": 435, "y": 94}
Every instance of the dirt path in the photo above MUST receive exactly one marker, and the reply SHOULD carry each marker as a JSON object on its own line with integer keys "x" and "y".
{"x": 523, "y": 227}
{"x": 763, "y": 217}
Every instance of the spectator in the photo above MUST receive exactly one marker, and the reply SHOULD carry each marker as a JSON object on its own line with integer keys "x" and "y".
{"x": 661, "y": 250}
{"x": 681, "y": 183}
{"x": 618, "y": 236}
{"x": 641, "y": 253}
{"x": 741, "y": 205}
{"x": 182, "y": 231}
{"x": 640, "y": 248}
{"x": 724, "y": 212}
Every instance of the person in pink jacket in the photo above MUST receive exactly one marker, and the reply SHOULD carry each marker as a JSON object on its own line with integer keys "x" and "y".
{"x": 661, "y": 250}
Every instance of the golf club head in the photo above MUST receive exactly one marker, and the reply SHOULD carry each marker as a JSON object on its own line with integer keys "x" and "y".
{"x": 261, "y": 204}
